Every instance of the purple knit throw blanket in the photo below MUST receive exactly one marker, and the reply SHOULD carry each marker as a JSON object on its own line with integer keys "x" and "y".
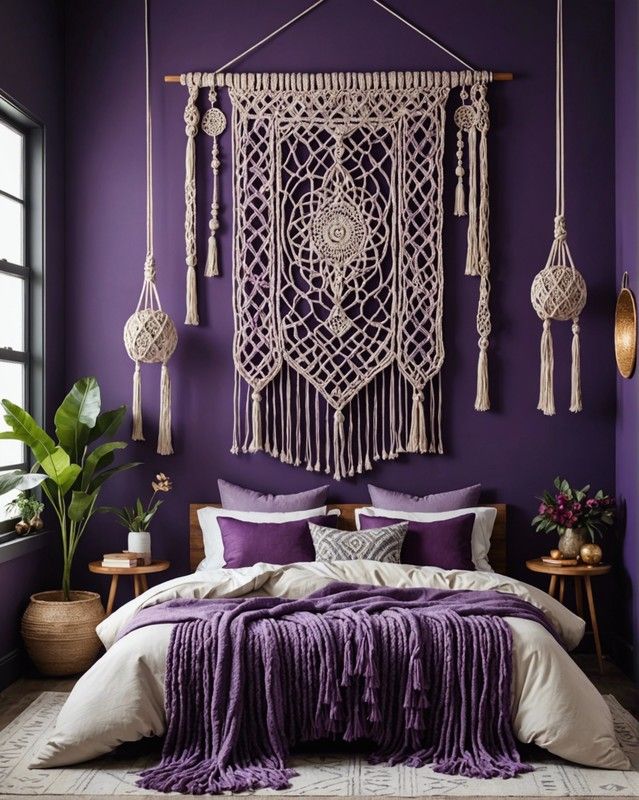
{"x": 423, "y": 674}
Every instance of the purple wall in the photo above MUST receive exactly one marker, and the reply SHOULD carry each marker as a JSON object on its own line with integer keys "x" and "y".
{"x": 31, "y": 73}
{"x": 513, "y": 450}
{"x": 627, "y": 195}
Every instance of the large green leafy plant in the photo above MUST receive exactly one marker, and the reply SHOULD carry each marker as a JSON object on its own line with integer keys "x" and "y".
{"x": 71, "y": 471}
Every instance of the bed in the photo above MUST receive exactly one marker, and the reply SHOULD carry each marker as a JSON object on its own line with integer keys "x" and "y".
{"x": 121, "y": 698}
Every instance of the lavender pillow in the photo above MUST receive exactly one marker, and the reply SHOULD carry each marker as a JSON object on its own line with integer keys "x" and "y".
{"x": 246, "y": 543}
{"x": 444, "y": 501}
{"x": 445, "y": 543}
{"x": 237, "y": 498}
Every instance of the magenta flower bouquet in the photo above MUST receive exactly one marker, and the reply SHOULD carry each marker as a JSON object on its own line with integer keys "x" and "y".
{"x": 574, "y": 508}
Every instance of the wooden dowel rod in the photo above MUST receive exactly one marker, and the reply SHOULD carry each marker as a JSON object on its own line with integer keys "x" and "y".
{"x": 497, "y": 76}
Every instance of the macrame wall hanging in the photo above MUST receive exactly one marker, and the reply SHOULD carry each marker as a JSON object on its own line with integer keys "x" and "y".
{"x": 149, "y": 334}
{"x": 559, "y": 291}
{"x": 338, "y": 264}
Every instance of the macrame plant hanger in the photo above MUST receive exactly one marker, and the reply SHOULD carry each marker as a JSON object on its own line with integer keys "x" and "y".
{"x": 150, "y": 336}
{"x": 559, "y": 291}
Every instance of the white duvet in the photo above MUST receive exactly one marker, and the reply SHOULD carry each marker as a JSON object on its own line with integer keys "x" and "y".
{"x": 121, "y": 698}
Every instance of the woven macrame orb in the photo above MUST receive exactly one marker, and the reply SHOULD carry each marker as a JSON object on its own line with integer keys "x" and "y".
{"x": 150, "y": 336}
{"x": 558, "y": 293}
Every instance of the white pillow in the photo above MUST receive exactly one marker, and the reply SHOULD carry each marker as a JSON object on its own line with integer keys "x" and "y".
{"x": 480, "y": 537}
{"x": 213, "y": 544}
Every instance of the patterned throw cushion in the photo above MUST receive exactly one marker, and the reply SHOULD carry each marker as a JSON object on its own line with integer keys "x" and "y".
{"x": 379, "y": 544}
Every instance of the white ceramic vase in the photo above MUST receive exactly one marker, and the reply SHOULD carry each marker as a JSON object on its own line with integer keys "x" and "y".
{"x": 140, "y": 542}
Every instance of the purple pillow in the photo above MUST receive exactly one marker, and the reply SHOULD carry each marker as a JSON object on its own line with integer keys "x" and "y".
{"x": 246, "y": 543}
{"x": 445, "y": 543}
{"x": 444, "y": 501}
{"x": 237, "y": 498}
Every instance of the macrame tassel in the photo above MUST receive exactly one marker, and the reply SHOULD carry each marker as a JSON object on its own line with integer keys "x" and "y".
{"x": 575, "y": 372}
{"x": 165, "y": 445}
{"x": 137, "y": 434}
{"x": 338, "y": 445}
{"x": 482, "y": 399}
{"x": 192, "y": 317}
{"x": 460, "y": 197}
{"x": 546, "y": 389}
{"x": 256, "y": 423}
{"x": 211, "y": 269}
{"x": 417, "y": 439}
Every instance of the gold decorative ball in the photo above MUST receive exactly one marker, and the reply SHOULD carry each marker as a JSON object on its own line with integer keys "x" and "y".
{"x": 591, "y": 554}
{"x": 556, "y": 554}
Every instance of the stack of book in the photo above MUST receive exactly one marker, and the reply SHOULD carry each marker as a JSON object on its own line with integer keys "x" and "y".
{"x": 122, "y": 560}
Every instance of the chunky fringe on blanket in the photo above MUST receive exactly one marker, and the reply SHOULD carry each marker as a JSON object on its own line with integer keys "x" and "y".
{"x": 423, "y": 674}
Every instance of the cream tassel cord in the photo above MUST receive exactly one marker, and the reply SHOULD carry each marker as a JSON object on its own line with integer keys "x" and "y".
{"x": 559, "y": 291}
{"x": 149, "y": 334}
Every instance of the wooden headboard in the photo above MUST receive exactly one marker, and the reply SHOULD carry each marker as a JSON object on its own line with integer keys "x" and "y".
{"x": 497, "y": 555}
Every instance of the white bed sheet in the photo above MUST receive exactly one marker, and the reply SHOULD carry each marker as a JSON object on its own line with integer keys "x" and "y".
{"x": 121, "y": 698}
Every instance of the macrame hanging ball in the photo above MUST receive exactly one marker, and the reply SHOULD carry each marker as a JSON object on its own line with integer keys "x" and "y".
{"x": 558, "y": 293}
{"x": 150, "y": 336}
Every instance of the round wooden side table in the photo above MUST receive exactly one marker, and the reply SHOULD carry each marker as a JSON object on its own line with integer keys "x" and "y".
{"x": 582, "y": 573}
{"x": 138, "y": 574}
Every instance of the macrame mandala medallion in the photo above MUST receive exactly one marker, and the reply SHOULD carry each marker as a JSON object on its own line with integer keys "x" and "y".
{"x": 338, "y": 269}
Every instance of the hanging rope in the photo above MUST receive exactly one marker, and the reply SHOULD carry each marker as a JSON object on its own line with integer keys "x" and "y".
{"x": 149, "y": 334}
{"x": 559, "y": 291}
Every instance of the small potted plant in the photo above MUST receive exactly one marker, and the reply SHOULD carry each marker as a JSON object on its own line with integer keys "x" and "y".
{"x": 137, "y": 519}
{"x": 577, "y": 515}
{"x": 29, "y": 508}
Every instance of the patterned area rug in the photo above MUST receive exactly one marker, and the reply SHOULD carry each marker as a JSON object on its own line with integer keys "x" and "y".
{"x": 325, "y": 774}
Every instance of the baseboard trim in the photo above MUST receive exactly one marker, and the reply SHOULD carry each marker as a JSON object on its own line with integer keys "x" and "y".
{"x": 11, "y": 665}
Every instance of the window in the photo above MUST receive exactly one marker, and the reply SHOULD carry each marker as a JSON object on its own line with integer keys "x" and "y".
{"x": 21, "y": 262}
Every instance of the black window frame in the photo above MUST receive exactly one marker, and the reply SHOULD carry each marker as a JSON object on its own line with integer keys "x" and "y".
{"x": 32, "y": 271}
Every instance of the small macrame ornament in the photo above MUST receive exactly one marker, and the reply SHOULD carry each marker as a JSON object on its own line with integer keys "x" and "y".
{"x": 150, "y": 336}
{"x": 559, "y": 291}
{"x": 213, "y": 124}
{"x": 472, "y": 120}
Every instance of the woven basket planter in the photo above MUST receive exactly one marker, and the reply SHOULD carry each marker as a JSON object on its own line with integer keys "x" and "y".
{"x": 60, "y": 635}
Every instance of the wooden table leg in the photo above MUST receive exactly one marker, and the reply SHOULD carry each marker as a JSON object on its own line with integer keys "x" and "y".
{"x": 553, "y": 585}
{"x": 112, "y": 591}
{"x": 579, "y": 597}
{"x": 593, "y": 620}
{"x": 562, "y": 589}
{"x": 144, "y": 583}
{"x": 136, "y": 586}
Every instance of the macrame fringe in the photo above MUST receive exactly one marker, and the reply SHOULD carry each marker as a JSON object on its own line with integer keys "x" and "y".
{"x": 137, "y": 433}
{"x": 256, "y": 424}
{"x": 575, "y": 372}
{"x": 417, "y": 439}
{"x": 165, "y": 444}
{"x": 460, "y": 198}
{"x": 192, "y": 317}
{"x": 211, "y": 270}
{"x": 546, "y": 388}
{"x": 472, "y": 256}
{"x": 482, "y": 399}
{"x": 289, "y": 419}
{"x": 338, "y": 445}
